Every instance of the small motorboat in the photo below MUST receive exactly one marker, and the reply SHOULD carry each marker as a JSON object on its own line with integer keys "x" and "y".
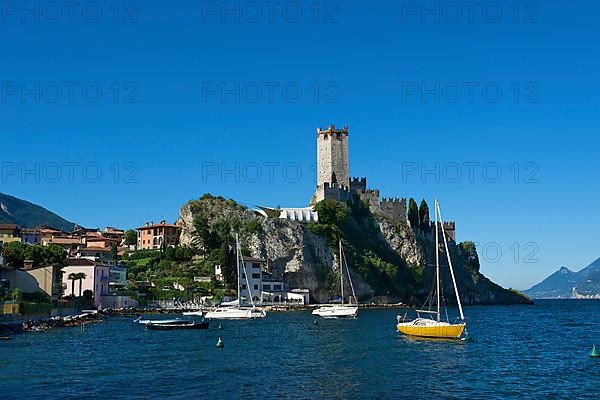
{"x": 336, "y": 311}
{"x": 158, "y": 321}
{"x": 198, "y": 313}
{"x": 176, "y": 324}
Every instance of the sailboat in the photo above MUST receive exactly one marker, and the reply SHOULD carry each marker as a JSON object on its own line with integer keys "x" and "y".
{"x": 433, "y": 326}
{"x": 236, "y": 311}
{"x": 343, "y": 310}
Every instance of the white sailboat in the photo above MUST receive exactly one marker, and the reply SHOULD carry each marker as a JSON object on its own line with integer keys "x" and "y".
{"x": 237, "y": 311}
{"x": 343, "y": 310}
{"x": 434, "y": 327}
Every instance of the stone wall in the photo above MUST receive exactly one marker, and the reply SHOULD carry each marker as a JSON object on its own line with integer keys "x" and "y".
{"x": 394, "y": 209}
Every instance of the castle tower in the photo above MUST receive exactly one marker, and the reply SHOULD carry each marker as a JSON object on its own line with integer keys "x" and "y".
{"x": 333, "y": 171}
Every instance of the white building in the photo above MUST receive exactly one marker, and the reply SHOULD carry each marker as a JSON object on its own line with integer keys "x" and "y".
{"x": 219, "y": 273}
{"x": 303, "y": 215}
{"x": 251, "y": 276}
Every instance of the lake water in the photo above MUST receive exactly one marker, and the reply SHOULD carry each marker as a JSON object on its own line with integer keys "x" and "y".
{"x": 532, "y": 352}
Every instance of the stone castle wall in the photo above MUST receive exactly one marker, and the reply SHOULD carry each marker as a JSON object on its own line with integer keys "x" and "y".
{"x": 394, "y": 209}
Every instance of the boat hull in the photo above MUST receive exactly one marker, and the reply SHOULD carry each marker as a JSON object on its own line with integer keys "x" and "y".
{"x": 336, "y": 311}
{"x": 158, "y": 321}
{"x": 193, "y": 314}
{"x": 235, "y": 313}
{"x": 440, "y": 330}
{"x": 170, "y": 327}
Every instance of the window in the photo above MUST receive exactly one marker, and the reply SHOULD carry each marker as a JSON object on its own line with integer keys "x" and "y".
{"x": 276, "y": 287}
{"x": 244, "y": 287}
{"x": 256, "y": 265}
{"x": 243, "y": 276}
{"x": 255, "y": 276}
{"x": 255, "y": 287}
{"x": 267, "y": 287}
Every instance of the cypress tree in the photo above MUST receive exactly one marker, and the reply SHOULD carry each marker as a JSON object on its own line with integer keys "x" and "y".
{"x": 424, "y": 216}
{"x": 413, "y": 213}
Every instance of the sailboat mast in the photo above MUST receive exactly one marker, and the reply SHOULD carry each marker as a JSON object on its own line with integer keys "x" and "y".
{"x": 437, "y": 260}
{"x": 237, "y": 266}
{"x": 460, "y": 309}
{"x": 341, "y": 273}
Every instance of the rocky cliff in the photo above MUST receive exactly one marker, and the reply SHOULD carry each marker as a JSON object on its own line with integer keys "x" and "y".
{"x": 388, "y": 262}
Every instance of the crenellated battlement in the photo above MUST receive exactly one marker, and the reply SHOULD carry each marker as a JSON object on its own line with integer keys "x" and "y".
{"x": 336, "y": 186}
{"x": 449, "y": 228}
{"x": 358, "y": 185}
{"x": 331, "y": 131}
{"x": 394, "y": 208}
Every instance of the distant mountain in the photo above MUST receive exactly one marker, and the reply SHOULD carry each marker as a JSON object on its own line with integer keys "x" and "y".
{"x": 29, "y": 215}
{"x": 566, "y": 284}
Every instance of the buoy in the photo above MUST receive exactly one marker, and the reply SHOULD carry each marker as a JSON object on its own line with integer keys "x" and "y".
{"x": 220, "y": 327}
{"x": 315, "y": 322}
{"x": 595, "y": 352}
{"x": 467, "y": 337}
{"x": 220, "y": 343}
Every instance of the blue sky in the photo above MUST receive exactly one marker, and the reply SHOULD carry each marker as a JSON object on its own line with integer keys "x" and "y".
{"x": 189, "y": 89}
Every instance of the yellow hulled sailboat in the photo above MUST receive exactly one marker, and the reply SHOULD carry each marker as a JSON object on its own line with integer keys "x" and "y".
{"x": 432, "y": 326}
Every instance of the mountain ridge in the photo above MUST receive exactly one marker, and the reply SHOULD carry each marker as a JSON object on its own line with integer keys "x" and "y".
{"x": 567, "y": 284}
{"x": 25, "y": 214}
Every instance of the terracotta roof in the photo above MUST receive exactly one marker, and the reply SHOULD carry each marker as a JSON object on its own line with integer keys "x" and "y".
{"x": 8, "y": 226}
{"x": 80, "y": 262}
{"x": 158, "y": 226}
{"x": 110, "y": 229}
{"x": 96, "y": 249}
{"x": 62, "y": 240}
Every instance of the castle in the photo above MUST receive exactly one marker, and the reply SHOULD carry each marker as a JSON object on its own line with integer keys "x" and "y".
{"x": 333, "y": 179}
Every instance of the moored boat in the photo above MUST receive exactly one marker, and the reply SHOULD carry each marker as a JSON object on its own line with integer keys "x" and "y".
{"x": 237, "y": 311}
{"x": 336, "y": 311}
{"x": 435, "y": 327}
{"x": 340, "y": 310}
{"x": 198, "y": 313}
{"x": 179, "y": 324}
{"x": 158, "y": 321}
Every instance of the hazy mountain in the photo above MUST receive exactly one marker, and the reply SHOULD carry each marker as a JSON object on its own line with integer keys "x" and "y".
{"x": 566, "y": 284}
{"x": 29, "y": 215}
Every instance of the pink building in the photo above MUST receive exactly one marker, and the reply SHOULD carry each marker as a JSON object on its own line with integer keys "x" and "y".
{"x": 97, "y": 278}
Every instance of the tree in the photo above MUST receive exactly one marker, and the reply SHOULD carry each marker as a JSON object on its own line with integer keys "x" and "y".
{"x": 16, "y": 295}
{"x": 169, "y": 253}
{"x": 73, "y": 277}
{"x": 80, "y": 276}
{"x": 469, "y": 252}
{"x": 15, "y": 253}
{"x": 130, "y": 237}
{"x": 114, "y": 252}
{"x": 424, "y": 217}
{"x": 413, "y": 214}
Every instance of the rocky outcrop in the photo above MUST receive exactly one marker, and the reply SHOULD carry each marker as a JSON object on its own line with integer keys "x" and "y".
{"x": 294, "y": 254}
{"x": 403, "y": 240}
{"x": 306, "y": 260}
